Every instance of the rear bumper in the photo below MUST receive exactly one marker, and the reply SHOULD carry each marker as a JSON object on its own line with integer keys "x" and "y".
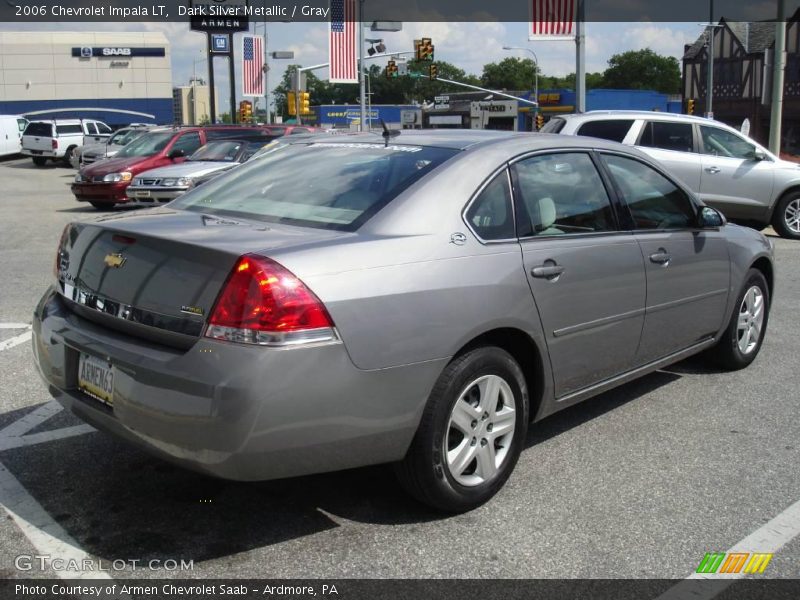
{"x": 100, "y": 192}
{"x": 233, "y": 411}
{"x": 42, "y": 153}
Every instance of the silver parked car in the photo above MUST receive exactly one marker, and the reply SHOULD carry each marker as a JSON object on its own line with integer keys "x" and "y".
{"x": 417, "y": 298}
{"x": 164, "y": 184}
{"x": 725, "y": 169}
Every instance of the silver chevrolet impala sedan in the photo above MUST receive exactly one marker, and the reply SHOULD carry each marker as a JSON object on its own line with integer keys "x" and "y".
{"x": 416, "y": 298}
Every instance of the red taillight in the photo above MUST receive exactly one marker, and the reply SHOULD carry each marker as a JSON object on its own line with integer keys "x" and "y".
{"x": 54, "y": 143}
{"x": 264, "y": 303}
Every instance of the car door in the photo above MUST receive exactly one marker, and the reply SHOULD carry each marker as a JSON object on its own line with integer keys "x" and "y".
{"x": 586, "y": 276}
{"x": 687, "y": 268}
{"x": 733, "y": 179}
{"x": 672, "y": 143}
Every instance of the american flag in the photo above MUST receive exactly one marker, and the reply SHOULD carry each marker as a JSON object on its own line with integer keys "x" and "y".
{"x": 343, "y": 42}
{"x": 552, "y": 19}
{"x": 252, "y": 66}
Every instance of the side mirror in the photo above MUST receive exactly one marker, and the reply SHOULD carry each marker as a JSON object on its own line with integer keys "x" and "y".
{"x": 176, "y": 153}
{"x": 759, "y": 154}
{"x": 711, "y": 218}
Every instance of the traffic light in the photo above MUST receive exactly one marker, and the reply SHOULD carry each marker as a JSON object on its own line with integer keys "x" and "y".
{"x": 423, "y": 49}
{"x": 539, "y": 121}
{"x": 291, "y": 102}
{"x": 433, "y": 72}
{"x": 245, "y": 111}
{"x": 305, "y": 103}
{"x": 391, "y": 69}
{"x": 690, "y": 106}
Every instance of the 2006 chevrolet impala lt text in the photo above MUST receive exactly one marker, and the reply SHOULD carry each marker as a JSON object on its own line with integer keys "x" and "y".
{"x": 417, "y": 298}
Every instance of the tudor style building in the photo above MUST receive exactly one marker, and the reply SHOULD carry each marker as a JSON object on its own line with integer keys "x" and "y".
{"x": 742, "y": 67}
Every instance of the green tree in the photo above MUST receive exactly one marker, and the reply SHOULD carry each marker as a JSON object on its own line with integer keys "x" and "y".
{"x": 510, "y": 74}
{"x": 643, "y": 70}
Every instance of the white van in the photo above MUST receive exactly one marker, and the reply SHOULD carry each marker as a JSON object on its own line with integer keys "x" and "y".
{"x": 11, "y": 128}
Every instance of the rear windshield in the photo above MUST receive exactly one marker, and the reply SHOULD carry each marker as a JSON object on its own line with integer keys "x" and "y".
{"x": 40, "y": 129}
{"x": 147, "y": 145}
{"x": 68, "y": 129}
{"x": 323, "y": 185}
{"x": 554, "y": 125}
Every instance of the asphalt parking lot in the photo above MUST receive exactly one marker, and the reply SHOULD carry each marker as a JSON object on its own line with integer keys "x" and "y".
{"x": 640, "y": 482}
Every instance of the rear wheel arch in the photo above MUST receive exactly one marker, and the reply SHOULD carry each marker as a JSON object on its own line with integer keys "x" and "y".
{"x": 524, "y": 350}
{"x": 791, "y": 190}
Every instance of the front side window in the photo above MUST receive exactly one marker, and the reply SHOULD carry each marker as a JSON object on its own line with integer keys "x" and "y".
{"x": 561, "y": 194}
{"x": 22, "y": 124}
{"x": 103, "y": 128}
{"x": 667, "y": 135}
{"x": 490, "y": 215}
{"x": 188, "y": 142}
{"x": 323, "y": 185}
{"x": 614, "y": 130}
{"x": 719, "y": 142}
{"x": 654, "y": 201}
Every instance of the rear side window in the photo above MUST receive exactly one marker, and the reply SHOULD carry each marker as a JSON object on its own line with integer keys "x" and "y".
{"x": 490, "y": 215}
{"x": 554, "y": 125}
{"x": 654, "y": 201}
{"x": 667, "y": 136}
{"x": 561, "y": 194}
{"x": 323, "y": 185}
{"x": 68, "y": 129}
{"x": 614, "y": 130}
{"x": 39, "y": 129}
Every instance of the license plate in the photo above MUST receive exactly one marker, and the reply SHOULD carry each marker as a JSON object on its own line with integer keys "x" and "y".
{"x": 96, "y": 378}
{"x": 36, "y": 151}
{"x": 142, "y": 193}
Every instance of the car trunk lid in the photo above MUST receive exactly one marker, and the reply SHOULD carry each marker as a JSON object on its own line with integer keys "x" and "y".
{"x": 157, "y": 274}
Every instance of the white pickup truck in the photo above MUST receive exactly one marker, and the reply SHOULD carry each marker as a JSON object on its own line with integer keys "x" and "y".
{"x": 57, "y": 139}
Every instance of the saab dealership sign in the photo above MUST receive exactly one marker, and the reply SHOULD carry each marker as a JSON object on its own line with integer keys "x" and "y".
{"x": 218, "y": 16}
{"x": 117, "y": 52}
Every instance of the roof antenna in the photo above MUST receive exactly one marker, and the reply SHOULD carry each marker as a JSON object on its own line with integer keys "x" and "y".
{"x": 388, "y": 133}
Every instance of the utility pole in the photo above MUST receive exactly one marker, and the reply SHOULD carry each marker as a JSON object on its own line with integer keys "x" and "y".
{"x": 362, "y": 88}
{"x": 580, "y": 58}
{"x": 775, "y": 120}
{"x": 710, "y": 67}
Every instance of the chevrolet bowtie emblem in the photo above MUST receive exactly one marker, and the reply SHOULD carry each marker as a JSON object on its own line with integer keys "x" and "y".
{"x": 115, "y": 261}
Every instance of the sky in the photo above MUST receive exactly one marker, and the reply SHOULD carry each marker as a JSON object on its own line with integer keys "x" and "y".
{"x": 467, "y": 45}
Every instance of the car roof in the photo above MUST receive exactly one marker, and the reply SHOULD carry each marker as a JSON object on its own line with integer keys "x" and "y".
{"x": 637, "y": 114}
{"x": 458, "y": 139}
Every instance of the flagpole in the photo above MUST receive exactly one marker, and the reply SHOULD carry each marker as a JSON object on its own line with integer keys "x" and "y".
{"x": 362, "y": 89}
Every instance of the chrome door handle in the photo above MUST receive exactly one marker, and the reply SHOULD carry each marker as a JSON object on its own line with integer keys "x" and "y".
{"x": 547, "y": 271}
{"x": 661, "y": 257}
{"x": 713, "y": 170}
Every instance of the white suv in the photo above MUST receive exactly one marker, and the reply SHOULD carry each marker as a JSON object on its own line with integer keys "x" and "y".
{"x": 57, "y": 139}
{"x": 725, "y": 169}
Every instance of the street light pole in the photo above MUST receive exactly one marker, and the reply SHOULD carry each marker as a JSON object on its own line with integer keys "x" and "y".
{"x": 535, "y": 71}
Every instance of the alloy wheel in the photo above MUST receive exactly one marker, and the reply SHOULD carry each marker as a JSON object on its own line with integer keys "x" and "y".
{"x": 791, "y": 215}
{"x": 751, "y": 320}
{"x": 480, "y": 430}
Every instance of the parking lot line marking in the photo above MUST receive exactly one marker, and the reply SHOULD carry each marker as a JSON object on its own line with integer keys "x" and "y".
{"x": 769, "y": 538}
{"x": 32, "y": 419}
{"x": 44, "y": 436}
{"x": 45, "y": 534}
{"x": 15, "y": 325}
{"x": 16, "y": 340}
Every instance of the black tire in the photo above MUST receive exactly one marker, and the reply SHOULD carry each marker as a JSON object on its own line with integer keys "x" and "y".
{"x": 779, "y": 222}
{"x": 424, "y": 471}
{"x": 101, "y": 205}
{"x": 727, "y": 353}
{"x": 39, "y": 161}
{"x": 68, "y": 156}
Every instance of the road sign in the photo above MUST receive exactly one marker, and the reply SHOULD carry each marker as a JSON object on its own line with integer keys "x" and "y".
{"x": 442, "y": 102}
{"x": 220, "y": 43}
